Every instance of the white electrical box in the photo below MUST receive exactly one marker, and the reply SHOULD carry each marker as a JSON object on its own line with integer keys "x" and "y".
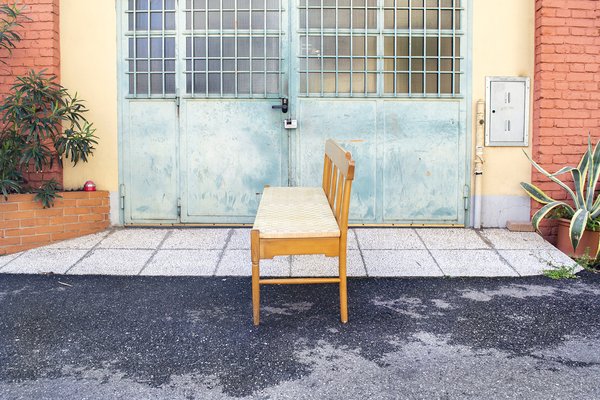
{"x": 507, "y": 111}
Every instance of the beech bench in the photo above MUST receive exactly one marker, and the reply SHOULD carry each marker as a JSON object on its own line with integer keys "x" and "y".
{"x": 305, "y": 220}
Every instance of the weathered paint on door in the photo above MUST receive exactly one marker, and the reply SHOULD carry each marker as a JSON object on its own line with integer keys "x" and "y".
{"x": 151, "y": 162}
{"x": 231, "y": 149}
{"x": 202, "y": 149}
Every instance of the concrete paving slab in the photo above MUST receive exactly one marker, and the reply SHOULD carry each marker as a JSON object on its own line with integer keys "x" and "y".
{"x": 451, "y": 239}
{"x": 112, "y": 262}
{"x": 83, "y": 242}
{"x": 39, "y": 261}
{"x": 183, "y": 263}
{"x": 238, "y": 263}
{"x": 535, "y": 262}
{"x": 5, "y": 259}
{"x": 197, "y": 238}
{"x": 319, "y": 265}
{"x": 240, "y": 239}
{"x": 506, "y": 240}
{"x": 352, "y": 241}
{"x": 477, "y": 263}
{"x": 392, "y": 238}
{"x": 380, "y": 263}
{"x": 131, "y": 238}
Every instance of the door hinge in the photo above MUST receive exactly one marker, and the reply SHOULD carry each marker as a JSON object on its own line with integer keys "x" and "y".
{"x": 467, "y": 196}
{"x": 122, "y": 196}
{"x": 179, "y": 207}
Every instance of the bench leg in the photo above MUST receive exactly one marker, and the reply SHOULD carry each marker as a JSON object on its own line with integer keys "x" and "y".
{"x": 343, "y": 287}
{"x": 255, "y": 251}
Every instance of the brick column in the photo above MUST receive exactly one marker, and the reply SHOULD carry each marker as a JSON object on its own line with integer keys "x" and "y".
{"x": 566, "y": 88}
{"x": 39, "y": 49}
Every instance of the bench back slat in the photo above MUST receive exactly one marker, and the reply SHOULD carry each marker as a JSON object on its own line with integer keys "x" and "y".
{"x": 340, "y": 158}
{"x": 338, "y": 173}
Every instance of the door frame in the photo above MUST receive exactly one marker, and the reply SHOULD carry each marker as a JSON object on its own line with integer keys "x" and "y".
{"x": 122, "y": 109}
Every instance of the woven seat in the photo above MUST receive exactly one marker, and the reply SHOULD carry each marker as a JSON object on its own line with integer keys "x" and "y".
{"x": 295, "y": 212}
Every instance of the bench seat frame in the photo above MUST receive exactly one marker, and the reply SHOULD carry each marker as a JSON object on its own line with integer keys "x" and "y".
{"x": 338, "y": 174}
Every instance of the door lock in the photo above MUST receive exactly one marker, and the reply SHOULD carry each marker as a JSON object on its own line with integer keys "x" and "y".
{"x": 284, "y": 105}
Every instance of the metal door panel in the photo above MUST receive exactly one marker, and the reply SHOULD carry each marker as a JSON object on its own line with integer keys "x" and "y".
{"x": 423, "y": 162}
{"x": 353, "y": 123}
{"x": 231, "y": 150}
{"x": 151, "y": 162}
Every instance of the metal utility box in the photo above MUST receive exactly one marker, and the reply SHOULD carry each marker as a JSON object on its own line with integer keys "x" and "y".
{"x": 507, "y": 111}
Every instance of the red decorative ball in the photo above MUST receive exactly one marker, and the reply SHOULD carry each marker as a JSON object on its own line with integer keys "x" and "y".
{"x": 89, "y": 186}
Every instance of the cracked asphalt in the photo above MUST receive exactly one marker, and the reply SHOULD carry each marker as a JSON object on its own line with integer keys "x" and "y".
{"x": 100, "y": 337}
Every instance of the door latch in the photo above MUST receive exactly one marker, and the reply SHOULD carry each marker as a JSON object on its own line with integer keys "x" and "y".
{"x": 284, "y": 105}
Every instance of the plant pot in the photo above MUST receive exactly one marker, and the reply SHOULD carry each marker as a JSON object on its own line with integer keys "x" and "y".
{"x": 588, "y": 244}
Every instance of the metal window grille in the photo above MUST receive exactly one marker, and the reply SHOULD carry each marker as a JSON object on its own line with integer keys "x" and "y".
{"x": 385, "y": 48}
{"x": 151, "y": 41}
{"x": 233, "y": 48}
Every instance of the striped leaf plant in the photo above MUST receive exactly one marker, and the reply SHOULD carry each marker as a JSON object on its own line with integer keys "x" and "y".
{"x": 585, "y": 209}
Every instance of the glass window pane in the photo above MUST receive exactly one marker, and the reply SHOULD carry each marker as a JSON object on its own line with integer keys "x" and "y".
{"x": 228, "y": 20}
{"x": 156, "y": 19}
{"x": 272, "y": 83}
{"x": 431, "y": 83}
{"x": 258, "y": 84}
{"x": 416, "y": 83}
{"x": 432, "y": 19}
{"x": 141, "y": 83}
{"x": 170, "y": 21}
{"x": 214, "y": 83}
{"x": 141, "y": 21}
{"x": 228, "y": 83}
{"x": 156, "y": 84}
{"x": 156, "y": 47}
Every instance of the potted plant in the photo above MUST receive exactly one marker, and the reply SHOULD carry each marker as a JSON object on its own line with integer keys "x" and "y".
{"x": 579, "y": 222}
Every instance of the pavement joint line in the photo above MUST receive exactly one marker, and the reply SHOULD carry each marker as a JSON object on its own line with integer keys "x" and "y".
{"x": 430, "y": 253}
{"x": 489, "y": 243}
{"x": 106, "y": 232}
{"x": 89, "y": 252}
{"x": 227, "y": 240}
{"x": 20, "y": 254}
{"x": 362, "y": 257}
{"x": 159, "y": 247}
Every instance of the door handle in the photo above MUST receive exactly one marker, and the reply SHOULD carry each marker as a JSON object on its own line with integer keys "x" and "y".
{"x": 283, "y": 107}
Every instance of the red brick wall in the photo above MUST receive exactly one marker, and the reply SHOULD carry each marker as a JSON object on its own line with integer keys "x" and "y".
{"x": 39, "y": 49}
{"x": 566, "y": 88}
{"x": 24, "y": 224}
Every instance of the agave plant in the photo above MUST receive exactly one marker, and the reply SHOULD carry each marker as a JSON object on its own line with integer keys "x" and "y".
{"x": 586, "y": 207}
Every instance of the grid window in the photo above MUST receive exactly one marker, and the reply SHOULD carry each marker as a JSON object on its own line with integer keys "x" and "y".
{"x": 151, "y": 42}
{"x": 233, "y": 48}
{"x": 391, "y": 48}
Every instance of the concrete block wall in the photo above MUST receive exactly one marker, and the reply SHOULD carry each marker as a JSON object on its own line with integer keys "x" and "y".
{"x": 566, "y": 103}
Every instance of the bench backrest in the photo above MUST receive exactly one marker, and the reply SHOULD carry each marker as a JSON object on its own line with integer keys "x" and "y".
{"x": 338, "y": 174}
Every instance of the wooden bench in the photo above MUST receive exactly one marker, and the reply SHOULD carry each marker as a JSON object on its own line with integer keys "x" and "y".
{"x": 305, "y": 220}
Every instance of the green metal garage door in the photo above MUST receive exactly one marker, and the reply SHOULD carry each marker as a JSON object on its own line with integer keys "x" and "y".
{"x": 201, "y": 132}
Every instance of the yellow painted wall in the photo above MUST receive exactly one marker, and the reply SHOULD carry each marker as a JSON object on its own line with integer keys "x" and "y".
{"x": 88, "y": 52}
{"x": 503, "y": 45}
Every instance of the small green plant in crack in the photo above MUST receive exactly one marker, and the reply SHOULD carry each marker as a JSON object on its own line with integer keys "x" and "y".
{"x": 589, "y": 263}
{"x": 561, "y": 272}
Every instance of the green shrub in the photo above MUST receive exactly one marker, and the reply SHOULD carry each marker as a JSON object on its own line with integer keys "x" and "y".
{"x": 42, "y": 123}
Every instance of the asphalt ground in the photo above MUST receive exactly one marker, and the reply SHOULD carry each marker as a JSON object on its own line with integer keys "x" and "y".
{"x": 101, "y": 337}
